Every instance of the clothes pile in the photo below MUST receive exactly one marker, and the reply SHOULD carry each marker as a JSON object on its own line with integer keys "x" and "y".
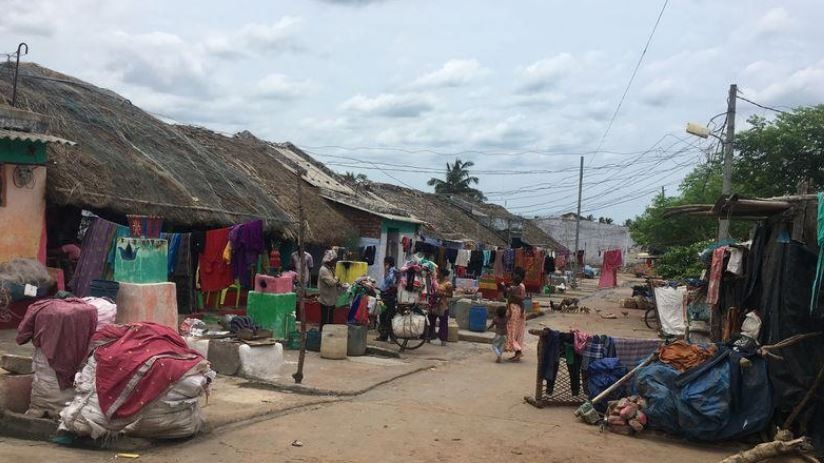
{"x": 60, "y": 330}
{"x": 140, "y": 380}
{"x": 626, "y": 416}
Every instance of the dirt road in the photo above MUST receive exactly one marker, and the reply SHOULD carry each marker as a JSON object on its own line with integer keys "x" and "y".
{"x": 470, "y": 410}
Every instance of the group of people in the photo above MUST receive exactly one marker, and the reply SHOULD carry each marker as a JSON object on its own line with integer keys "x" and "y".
{"x": 509, "y": 322}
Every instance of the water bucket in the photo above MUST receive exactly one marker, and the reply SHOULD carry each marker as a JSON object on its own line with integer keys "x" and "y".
{"x": 452, "y": 335}
{"x": 313, "y": 340}
{"x": 477, "y": 318}
{"x": 333, "y": 342}
{"x": 356, "y": 340}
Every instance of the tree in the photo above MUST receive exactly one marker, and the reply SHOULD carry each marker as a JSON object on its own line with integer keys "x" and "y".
{"x": 775, "y": 156}
{"x": 606, "y": 220}
{"x": 355, "y": 179}
{"x": 628, "y": 223}
{"x": 458, "y": 181}
{"x": 590, "y": 217}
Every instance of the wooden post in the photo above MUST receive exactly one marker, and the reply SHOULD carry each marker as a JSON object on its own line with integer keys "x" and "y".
{"x": 538, "y": 399}
{"x": 298, "y": 376}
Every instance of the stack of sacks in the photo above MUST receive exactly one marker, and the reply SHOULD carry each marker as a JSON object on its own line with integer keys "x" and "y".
{"x": 106, "y": 310}
{"x": 141, "y": 380}
{"x": 626, "y": 416}
{"x": 60, "y": 330}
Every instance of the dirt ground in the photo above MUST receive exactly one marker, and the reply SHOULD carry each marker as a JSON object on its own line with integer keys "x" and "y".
{"x": 467, "y": 410}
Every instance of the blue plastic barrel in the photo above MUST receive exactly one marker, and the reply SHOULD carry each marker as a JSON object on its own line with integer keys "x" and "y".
{"x": 313, "y": 340}
{"x": 477, "y": 318}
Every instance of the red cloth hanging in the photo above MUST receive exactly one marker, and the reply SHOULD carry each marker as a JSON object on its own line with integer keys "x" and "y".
{"x": 716, "y": 270}
{"x": 215, "y": 273}
{"x": 613, "y": 260}
{"x": 533, "y": 261}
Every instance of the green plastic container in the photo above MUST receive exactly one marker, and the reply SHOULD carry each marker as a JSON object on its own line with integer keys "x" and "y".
{"x": 141, "y": 260}
{"x": 275, "y": 312}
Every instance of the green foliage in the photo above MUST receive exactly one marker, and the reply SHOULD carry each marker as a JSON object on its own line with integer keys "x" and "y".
{"x": 681, "y": 261}
{"x": 458, "y": 181}
{"x": 773, "y": 157}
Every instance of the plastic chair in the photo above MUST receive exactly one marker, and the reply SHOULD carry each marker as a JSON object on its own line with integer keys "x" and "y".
{"x": 223, "y": 292}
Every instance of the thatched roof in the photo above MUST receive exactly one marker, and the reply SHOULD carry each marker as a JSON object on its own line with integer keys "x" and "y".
{"x": 128, "y": 161}
{"x": 457, "y": 220}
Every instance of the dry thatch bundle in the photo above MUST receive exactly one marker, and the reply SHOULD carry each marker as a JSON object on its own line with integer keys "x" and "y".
{"x": 128, "y": 162}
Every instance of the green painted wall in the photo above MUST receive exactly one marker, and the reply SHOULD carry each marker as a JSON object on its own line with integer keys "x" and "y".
{"x": 22, "y": 152}
{"x": 148, "y": 262}
{"x": 403, "y": 227}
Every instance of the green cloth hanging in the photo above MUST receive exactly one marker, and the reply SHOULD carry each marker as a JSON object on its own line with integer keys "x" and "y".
{"x": 819, "y": 272}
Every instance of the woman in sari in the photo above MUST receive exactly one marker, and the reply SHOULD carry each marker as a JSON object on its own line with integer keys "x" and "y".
{"x": 516, "y": 317}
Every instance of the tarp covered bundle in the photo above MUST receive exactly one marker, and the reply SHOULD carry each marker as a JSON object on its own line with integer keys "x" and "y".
{"x": 142, "y": 380}
{"x": 721, "y": 399}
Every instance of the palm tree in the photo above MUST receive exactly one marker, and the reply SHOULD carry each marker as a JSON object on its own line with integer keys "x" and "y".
{"x": 458, "y": 181}
{"x": 355, "y": 179}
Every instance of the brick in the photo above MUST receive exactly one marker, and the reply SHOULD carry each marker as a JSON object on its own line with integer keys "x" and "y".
{"x": 16, "y": 364}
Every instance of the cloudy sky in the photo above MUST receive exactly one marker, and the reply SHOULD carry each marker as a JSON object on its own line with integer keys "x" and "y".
{"x": 396, "y": 88}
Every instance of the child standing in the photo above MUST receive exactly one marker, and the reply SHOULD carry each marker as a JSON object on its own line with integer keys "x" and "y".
{"x": 499, "y": 321}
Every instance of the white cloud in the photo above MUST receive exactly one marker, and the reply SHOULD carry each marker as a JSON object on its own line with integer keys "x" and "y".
{"x": 281, "y": 87}
{"x": 804, "y": 86}
{"x": 777, "y": 20}
{"x": 454, "y": 73}
{"x": 29, "y": 17}
{"x": 158, "y": 60}
{"x": 390, "y": 105}
{"x": 658, "y": 92}
{"x": 546, "y": 73}
{"x": 256, "y": 38}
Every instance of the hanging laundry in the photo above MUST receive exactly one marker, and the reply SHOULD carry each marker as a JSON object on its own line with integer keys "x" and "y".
{"x": 509, "y": 261}
{"x": 349, "y": 271}
{"x": 533, "y": 262}
{"x": 819, "y": 270}
{"x": 451, "y": 255}
{"x": 247, "y": 246}
{"x": 735, "y": 264}
{"x": 476, "y": 263}
{"x": 613, "y": 260}
{"x": 368, "y": 255}
{"x": 487, "y": 258}
{"x": 631, "y": 351}
{"x": 549, "y": 264}
{"x": 498, "y": 266}
{"x": 94, "y": 254}
{"x": 463, "y": 258}
{"x": 560, "y": 262}
{"x": 716, "y": 271}
{"x": 215, "y": 273}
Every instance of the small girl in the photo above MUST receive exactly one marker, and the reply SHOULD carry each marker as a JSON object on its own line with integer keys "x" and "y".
{"x": 498, "y": 342}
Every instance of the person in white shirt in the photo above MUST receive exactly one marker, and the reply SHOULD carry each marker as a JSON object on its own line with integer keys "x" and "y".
{"x": 308, "y": 264}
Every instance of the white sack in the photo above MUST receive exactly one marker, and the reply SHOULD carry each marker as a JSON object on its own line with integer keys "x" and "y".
{"x": 46, "y": 397}
{"x": 670, "y": 302}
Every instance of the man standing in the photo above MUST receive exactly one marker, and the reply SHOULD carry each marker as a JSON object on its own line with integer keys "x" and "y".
{"x": 389, "y": 296}
{"x": 308, "y": 264}
{"x": 328, "y": 288}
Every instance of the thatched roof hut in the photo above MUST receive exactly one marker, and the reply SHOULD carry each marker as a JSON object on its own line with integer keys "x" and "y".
{"x": 128, "y": 161}
{"x": 457, "y": 220}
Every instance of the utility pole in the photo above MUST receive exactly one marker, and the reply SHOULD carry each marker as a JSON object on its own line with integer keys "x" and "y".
{"x": 663, "y": 192}
{"x": 298, "y": 376}
{"x": 726, "y": 188}
{"x": 578, "y": 224}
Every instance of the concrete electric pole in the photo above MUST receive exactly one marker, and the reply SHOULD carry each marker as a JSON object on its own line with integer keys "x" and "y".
{"x": 726, "y": 188}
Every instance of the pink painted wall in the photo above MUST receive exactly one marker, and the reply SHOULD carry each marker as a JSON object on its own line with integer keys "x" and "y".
{"x": 22, "y": 220}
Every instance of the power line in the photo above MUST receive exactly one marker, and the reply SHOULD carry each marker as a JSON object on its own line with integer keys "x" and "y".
{"x": 632, "y": 77}
{"x": 761, "y": 105}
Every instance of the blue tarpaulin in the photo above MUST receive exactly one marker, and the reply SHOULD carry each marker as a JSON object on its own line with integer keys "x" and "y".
{"x": 717, "y": 401}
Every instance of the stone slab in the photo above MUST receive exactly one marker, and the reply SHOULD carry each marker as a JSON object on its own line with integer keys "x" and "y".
{"x": 224, "y": 357}
{"x": 16, "y": 364}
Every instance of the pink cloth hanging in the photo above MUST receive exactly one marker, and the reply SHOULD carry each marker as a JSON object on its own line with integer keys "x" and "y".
{"x": 613, "y": 260}
{"x": 716, "y": 270}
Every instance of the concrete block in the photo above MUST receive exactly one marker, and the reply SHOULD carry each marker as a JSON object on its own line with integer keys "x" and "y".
{"x": 224, "y": 357}
{"x": 15, "y": 392}
{"x": 16, "y": 364}
{"x": 471, "y": 336}
{"x": 151, "y": 302}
